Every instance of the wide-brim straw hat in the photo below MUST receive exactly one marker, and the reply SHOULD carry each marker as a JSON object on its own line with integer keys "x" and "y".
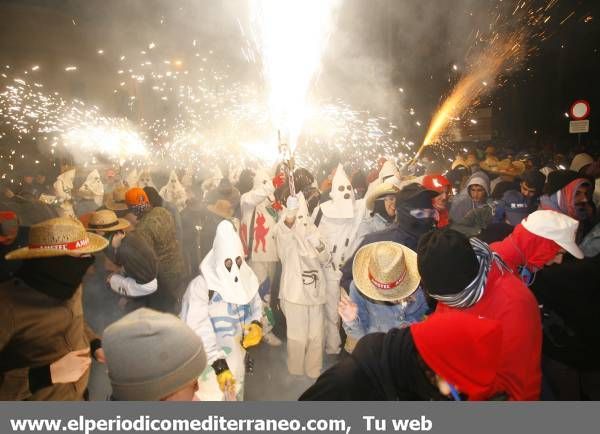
{"x": 489, "y": 164}
{"x": 116, "y": 200}
{"x": 60, "y": 236}
{"x": 106, "y": 220}
{"x": 386, "y": 271}
{"x": 382, "y": 189}
{"x": 222, "y": 208}
{"x": 508, "y": 167}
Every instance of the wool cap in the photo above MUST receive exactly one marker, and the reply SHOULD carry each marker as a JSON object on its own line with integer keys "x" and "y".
{"x": 151, "y": 355}
{"x": 559, "y": 179}
{"x": 463, "y": 349}
{"x": 446, "y": 262}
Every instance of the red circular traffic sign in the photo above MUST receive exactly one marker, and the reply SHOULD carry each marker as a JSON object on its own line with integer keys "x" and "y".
{"x": 580, "y": 110}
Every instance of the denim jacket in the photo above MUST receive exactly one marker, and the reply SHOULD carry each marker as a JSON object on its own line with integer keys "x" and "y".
{"x": 374, "y": 316}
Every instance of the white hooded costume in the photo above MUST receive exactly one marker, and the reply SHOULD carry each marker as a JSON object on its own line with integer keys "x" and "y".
{"x": 63, "y": 189}
{"x": 212, "y": 180}
{"x": 145, "y": 180}
{"x": 389, "y": 173}
{"x": 218, "y": 305}
{"x": 303, "y": 290}
{"x": 338, "y": 221}
{"x": 174, "y": 192}
{"x": 93, "y": 188}
{"x": 259, "y": 219}
{"x": 132, "y": 178}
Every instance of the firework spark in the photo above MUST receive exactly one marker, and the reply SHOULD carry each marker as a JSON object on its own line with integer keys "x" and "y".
{"x": 505, "y": 50}
{"x": 291, "y": 36}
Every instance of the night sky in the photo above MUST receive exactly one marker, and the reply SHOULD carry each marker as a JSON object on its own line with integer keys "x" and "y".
{"x": 378, "y": 47}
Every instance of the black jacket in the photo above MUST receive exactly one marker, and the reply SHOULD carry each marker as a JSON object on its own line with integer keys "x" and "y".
{"x": 570, "y": 295}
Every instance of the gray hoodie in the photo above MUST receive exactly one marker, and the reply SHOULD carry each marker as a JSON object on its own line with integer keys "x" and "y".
{"x": 463, "y": 203}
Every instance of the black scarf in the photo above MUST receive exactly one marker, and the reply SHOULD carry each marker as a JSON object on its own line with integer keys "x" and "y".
{"x": 391, "y": 362}
{"x": 57, "y": 277}
{"x": 414, "y": 226}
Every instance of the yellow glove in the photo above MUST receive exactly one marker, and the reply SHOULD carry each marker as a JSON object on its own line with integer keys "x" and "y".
{"x": 252, "y": 335}
{"x": 225, "y": 380}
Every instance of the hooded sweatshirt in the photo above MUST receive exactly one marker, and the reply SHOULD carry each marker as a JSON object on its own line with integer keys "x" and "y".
{"x": 509, "y": 301}
{"x": 564, "y": 200}
{"x": 462, "y": 349}
{"x": 523, "y": 248}
{"x": 463, "y": 203}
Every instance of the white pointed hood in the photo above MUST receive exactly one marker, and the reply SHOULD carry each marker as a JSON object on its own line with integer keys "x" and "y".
{"x": 132, "y": 178}
{"x": 63, "y": 185}
{"x": 302, "y": 216}
{"x": 213, "y": 179}
{"x": 341, "y": 204}
{"x": 261, "y": 178}
{"x": 237, "y": 285}
{"x": 174, "y": 192}
{"x": 188, "y": 177}
{"x": 93, "y": 187}
{"x": 145, "y": 180}
{"x": 389, "y": 173}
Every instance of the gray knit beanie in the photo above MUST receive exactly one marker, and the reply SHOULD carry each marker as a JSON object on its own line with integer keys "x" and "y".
{"x": 150, "y": 355}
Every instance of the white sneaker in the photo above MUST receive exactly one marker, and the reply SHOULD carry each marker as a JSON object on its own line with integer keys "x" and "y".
{"x": 272, "y": 340}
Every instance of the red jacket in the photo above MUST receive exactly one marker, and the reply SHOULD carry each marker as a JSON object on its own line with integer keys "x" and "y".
{"x": 508, "y": 300}
{"x": 443, "y": 219}
{"x": 524, "y": 248}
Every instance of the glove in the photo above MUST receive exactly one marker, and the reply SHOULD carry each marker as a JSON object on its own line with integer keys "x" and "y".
{"x": 224, "y": 375}
{"x": 292, "y": 204}
{"x": 252, "y": 335}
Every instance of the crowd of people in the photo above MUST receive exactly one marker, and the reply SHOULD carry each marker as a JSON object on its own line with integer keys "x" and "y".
{"x": 476, "y": 281}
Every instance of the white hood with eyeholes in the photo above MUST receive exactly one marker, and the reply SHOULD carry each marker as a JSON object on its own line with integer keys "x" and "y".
{"x": 342, "y": 200}
{"x": 174, "y": 192}
{"x": 237, "y": 285}
{"x": 63, "y": 186}
{"x": 93, "y": 187}
{"x": 145, "y": 180}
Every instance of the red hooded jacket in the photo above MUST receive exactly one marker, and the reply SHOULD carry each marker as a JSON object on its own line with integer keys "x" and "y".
{"x": 509, "y": 301}
{"x": 462, "y": 349}
{"x": 522, "y": 248}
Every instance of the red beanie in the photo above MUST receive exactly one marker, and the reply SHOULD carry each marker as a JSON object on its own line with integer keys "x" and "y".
{"x": 462, "y": 349}
{"x": 437, "y": 183}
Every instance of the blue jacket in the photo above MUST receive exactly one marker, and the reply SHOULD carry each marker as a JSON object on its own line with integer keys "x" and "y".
{"x": 374, "y": 316}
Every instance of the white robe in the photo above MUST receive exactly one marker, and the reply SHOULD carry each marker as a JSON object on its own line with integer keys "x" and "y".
{"x": 220, "y": 325}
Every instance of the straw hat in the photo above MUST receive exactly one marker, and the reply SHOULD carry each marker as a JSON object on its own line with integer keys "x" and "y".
{"x": 106, "y": 220}
{"x": 490, "y": 163}
{"x": 459, "y": 161}
{"x": 386, "y": 271}
{"x": 509, "y": 167}
{"x": 222, "y": 208}
{"x": 116, "y": 200}
{"x": 381, "y": 190}
{"x": 58, "y": 237}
